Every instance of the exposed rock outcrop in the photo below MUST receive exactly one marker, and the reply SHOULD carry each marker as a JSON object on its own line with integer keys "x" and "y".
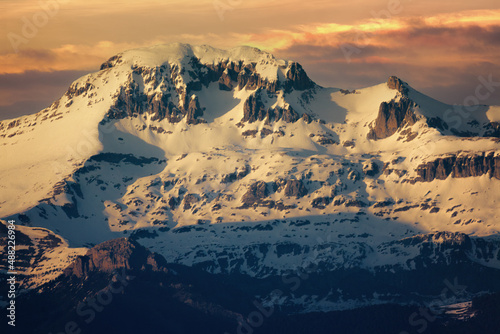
{"x": 321, "y": 202}
{"x": 162, "y": 107}
{"x": 397, "y": 84}
{"x": 116, "y": 158}
{"x": 307, "y": 118}
{"x": 295, "y": 188}
{"x": 256, "y": 193}
{"x": 111, "y": 62}
{"x": 437, "y": 243}
{"x": 116, "y": 254}
{"x": 392, "y": 116}
{"x": 492, "y": 129}
{"x": 166, "y": 91}
{"x": 287, "y": 114}
{"x": 189, "y": 200}
{"x": 225, "y": 81}
{"x": 236, "y": 175}
{"x": 297, "y": 78}
{"x": 371, "y": 168}
{"x": 78, "y": 89}
{"x": 194, "y": 110}
{"x": 460, "y": 166}
{"x": 129, "y": 100}
{"x": 249, "y": 79}
{"x": 437, "y": 122}
{"x": 173, "y": 203}
{"x": 255, "y": 110}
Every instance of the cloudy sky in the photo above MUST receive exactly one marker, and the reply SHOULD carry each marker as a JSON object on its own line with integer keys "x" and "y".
{"x": 441, "y": 48}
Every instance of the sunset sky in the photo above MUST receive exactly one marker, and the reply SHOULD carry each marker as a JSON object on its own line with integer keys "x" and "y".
{"x": 440, "y": 48}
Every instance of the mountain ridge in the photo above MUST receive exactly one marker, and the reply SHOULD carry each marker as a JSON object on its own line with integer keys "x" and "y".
{"x": 237, "y": 162}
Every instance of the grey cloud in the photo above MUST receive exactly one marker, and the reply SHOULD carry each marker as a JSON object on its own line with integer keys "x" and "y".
{"x": 31, "y": 79}
{"x": 30, "y": 92}
{"x": 446, "y": 83}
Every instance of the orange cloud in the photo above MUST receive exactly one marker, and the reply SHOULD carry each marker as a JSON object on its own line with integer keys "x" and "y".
{"x": 368, "y": 30}
{"x": 434, "y": 47}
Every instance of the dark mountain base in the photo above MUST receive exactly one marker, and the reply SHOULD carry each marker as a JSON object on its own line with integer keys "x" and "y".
{"x": 195, "y": 302}
{"x": 121, "y": 287}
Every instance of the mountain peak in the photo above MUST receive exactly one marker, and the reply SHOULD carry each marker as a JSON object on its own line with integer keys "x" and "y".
{"x": 170, "y": 75}
{"x": 179, "y": 53}
{"x": 396, "y": 83}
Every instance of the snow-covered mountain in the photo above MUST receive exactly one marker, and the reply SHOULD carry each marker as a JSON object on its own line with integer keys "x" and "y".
{"x": 238, "y": 163}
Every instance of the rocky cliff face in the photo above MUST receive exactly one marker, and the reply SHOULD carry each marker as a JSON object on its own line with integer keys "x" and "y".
{"x": 392, "y": 116}
{"x": 194, "y": 111}
{"x": 395, "y": 114}
{"x": 460, "y": 166}
{"x": 255, "y": 194}
{"x": 255, "y": 110}
{"x": 116, "y": 254}
{"x": 172, "y": 88}
{"x": 225, "y": 81}
{"x": 398, "y": 84}
{"x": 295, "y": 188}
{"x": 297, "y": 78}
